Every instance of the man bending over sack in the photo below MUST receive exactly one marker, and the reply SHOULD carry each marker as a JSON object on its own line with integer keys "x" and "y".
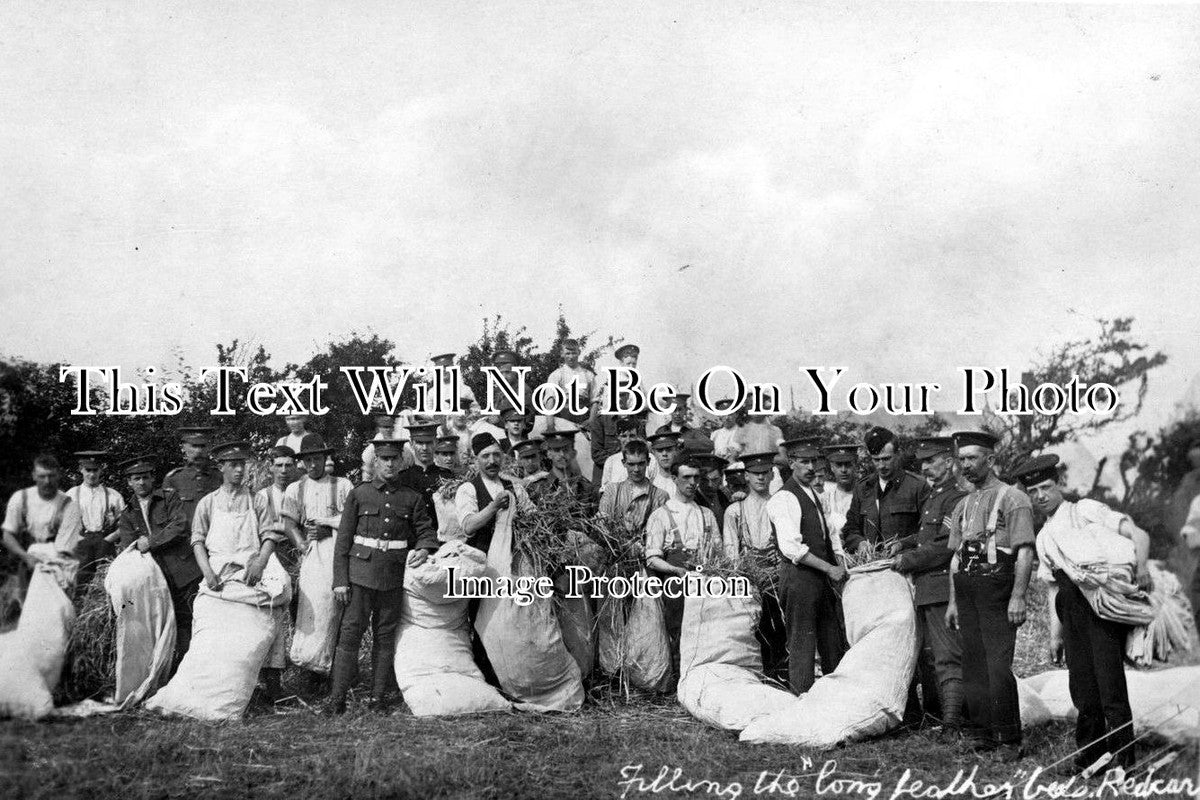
{"x": 155, "y": 524}
{"x": 39, "y": 514}
{"x": 385, "y": 526}
{"x": 234, "y": 529}
{"x": 1094, "y": 555}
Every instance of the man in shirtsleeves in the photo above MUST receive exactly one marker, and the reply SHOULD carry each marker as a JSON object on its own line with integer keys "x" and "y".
{"x": 40, "y": 514}
{"x": 154, "y": 522}
{"x": 198, "y": 476}
{"x": 680, "y": 536}
{"x": 1095, "y": 646}
{"x": 477, "y": 503}
{"x": 927, "y": 560}
{"x": 99, "y": 507}
{"x": 808, "y": 569}
{"x": 991, "y": 534}
{"x": 385, "y": 527}
{"x": 632, "y": 500}
{"x": 666, "y": 449}
{"x": 748, "y": 534}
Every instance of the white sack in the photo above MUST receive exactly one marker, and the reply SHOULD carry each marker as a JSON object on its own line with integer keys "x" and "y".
{"x": 315, "y": 635}
{"x": 141, "y": 600}
{"x": 576, "y": 623}
{"x": 1166, "y": 701}
{"x": 31, "y": 656}
{"x": 434, "y": 666}
{"x": 866, "y": 694}
{"x": 720, "y": 663}
{"x": 523, "y": 642}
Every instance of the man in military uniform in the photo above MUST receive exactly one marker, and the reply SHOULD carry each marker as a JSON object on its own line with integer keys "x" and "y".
{"x": 559, "y": 447}
{"x": 99, "y": 506}
{"x": 991, "y": 535}
{"x": 928, "y": 562}
{"x": 385, "y": 526}
{"x": 808, "y": 570}
{"x": 711, "y": 493}
{"x": 197, "y": 477}
{"x": 516, "y": 427}
{"x": 445, "y": 453}
{"x": 424, "y": 476}
{"x": 155, "y": 522}
{"x": 886, "y": 507}
{"x": 529, "y": 470}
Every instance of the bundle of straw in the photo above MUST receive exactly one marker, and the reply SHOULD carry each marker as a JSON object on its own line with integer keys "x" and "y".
{"x": 92, "y": 652}
{"x": 561, "y": 530}
{"x": 761, "y": 569}
{"x": 873, "y": 556}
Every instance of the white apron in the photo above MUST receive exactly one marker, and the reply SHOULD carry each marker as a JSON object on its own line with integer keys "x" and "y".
{"x": 231, "y": 542}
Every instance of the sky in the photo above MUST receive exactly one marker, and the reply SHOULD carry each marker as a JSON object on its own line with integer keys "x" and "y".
{"x": 899, "y": 189}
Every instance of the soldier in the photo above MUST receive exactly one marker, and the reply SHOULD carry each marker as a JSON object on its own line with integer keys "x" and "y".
{"x": 886, "y": 507}
{"x": 100, "y": 507}
{"x": 39, "y": 514}
{"x": 711, "y": 492}
{"x": 385, "y": 526}
{"x": 839, "y": 493}
{"x": 424, "y": 476}
{"x": 530, "y": 469}
{"x": 927, "y": 560}
{"x": 692, "y": 439}
{"x": 516, "y": 427}
{"x": 155, "y": 523}
{"x": 385, "y": 427}
{"x": 1095, "y": 646}
{"x": 808, "y": 570}
{"x": 445, "y": 453}
{"x": 666, "y": 450}
{"x": 991, "y": 535}
{"x": 748, "y": 534}
{"x": 198, "y": 476}
{"x": 560, "y": 452}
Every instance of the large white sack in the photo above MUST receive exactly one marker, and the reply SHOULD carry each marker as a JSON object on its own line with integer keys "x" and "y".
{"x": 1166, "y": 701}
{"x": 610, "y": 626}
{"x": 720, "y": 664}
{"x": 315, "y": 635}
{"x": 141, "y": 600}
{"x": 728, "y": 697}
{"x": 230, "y": 642}
{"x": 31, "y": 656}
{"x": 434, "y": 666}
{"x": 523, "y": 642}
{"x": 866, "y": 694}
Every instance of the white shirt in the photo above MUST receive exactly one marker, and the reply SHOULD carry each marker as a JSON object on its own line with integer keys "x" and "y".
{"x": 666, "y": 483}
{"x": 696, "y": 526}
{"x": 324, "y": 500}
{"x": 91, "y": 501}
{"x": 724, "y": 444}
{"x": 748, "y": 522}
{"x": 466, "y": 502}
{"x": 40, "y": 513}
{"x": 786, "y": 515}
{"x": 1086, "y": 532}
{"x": 580, "y": 376}
{"x": 1190, "y": 532}
{"x": 837, "y": 504}
{"x": 144, "y": 503}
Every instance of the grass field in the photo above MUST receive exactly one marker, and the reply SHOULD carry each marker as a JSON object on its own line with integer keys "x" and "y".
{"x": 594, "y": 753}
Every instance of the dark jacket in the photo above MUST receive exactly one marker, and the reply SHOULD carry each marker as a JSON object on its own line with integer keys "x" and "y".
{"x": 387, "y": 511}
{"x": 894, "y": 514}
{"x": 189, "y": 483}
{"x": 170, "y": 544}
{"x": 425, "y": 481}
{"x": 928, "y": 556}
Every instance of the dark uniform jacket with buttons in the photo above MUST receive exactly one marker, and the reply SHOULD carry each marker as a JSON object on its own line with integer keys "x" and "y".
{"x": 189, "y": 483}
{"x": 928, "y": 557}
{"x": 170, "y": 544}
{"x": 387, "y": 511}
{"x": 426, "y": 480}
{"x": 893, "y": 514}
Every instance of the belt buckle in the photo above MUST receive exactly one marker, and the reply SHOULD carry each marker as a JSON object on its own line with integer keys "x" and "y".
{"x": 381, "y": 545}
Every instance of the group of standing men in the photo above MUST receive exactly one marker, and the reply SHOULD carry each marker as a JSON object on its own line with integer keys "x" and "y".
{"x": 965, "y": 537}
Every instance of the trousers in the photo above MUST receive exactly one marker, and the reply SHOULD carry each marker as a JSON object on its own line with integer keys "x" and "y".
{"x": 380, "y": 608}
{"x": 772, "y": 639}
{"x": 813, "y": 620}
{"x": 91, "y": 550}
{"x": 1095, "y": 651}
{"x": 988, "y": 640}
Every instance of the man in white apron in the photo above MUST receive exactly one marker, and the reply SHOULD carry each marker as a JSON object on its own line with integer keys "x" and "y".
{"x": 234, "y": 536}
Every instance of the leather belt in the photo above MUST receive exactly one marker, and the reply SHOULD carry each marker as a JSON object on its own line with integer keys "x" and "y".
{"x": 380, "y": 544}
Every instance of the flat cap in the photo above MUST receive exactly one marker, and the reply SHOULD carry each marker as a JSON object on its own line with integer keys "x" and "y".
{"x": 528, "y": 446}
{"x": 627, "y": 350}
{"x": 932, "y": 446}
{"x": 802, "y": 447}
{"x": 759, "y": 462}
{"x": 841, "y": 453}
{"x": 196, "y": 434}
{"x": 232, "y": 451}
{"x": 91, "y": 459}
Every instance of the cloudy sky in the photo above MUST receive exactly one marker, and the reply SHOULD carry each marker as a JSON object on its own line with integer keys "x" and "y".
{"x": 898, "y": 189}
